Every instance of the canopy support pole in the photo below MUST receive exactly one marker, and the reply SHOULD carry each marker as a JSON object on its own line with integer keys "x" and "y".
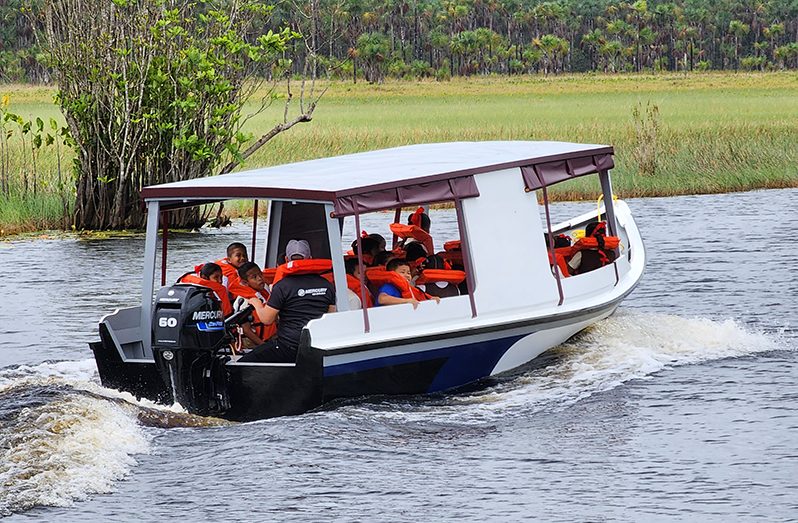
{"x": 397, "y": 215}
{"x": 164, "y": 244}
{"x": 609, "y": 205}
{"x": 148, "y": 278}
{"x": 337, "y": 256}
{"x": 551, "y": 245}
{"x": 461, "y": 228}
{"x": 275, "y": 218}
{"x": 609, "y": 212}
{"x": 361, "y": 269}
{"x": 254, "y": 229}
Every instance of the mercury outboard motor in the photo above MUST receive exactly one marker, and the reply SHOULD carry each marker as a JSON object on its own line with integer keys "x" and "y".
{"x": 188, "y": 337}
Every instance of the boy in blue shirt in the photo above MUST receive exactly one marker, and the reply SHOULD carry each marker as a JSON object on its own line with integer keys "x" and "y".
{"x": 392, "y": 294}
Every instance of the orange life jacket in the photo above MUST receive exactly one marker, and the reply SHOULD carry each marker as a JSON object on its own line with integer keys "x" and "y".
{"x": 228, "y": 271}
{"x": 269, "y": 274}
{"x": 453, "y": 258}
{"x": 381, "y": 277}
{"x": 219, "y": 290}
{"x": 373, "y": 270}
{"x": 413, "y": 231}
{"x": 295, "y": 267}
{"x": 368, "y": 259}
{"x": 238, "y": 289}
{"x": 354, "y": 285}
{"x": 561, "y": 255}
{"x": 441, "y": 275}
{"x": 453, "y": 245}
{"x": 592, "y": 243}
{"x": 452, "y": 253}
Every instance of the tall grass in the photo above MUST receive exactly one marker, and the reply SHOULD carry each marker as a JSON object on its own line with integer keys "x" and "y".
{"x": 36, "y": 187}
{"x": 715, "y": 132}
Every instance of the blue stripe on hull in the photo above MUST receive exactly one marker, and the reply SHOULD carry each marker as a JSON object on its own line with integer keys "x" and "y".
{"x": 463, "y": 363}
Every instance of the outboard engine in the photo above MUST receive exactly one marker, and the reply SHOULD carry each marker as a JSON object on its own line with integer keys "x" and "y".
{"x": 188, "y": 333}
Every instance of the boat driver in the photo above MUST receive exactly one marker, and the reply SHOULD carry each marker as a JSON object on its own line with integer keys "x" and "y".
{"x": 294, "y": 301}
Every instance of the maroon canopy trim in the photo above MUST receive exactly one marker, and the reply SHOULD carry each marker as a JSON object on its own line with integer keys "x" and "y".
{"x": 430, "y": 192}
{"x": 545, "y": 174}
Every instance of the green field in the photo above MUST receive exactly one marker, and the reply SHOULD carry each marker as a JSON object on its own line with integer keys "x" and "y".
{"x": 717, "y": 132}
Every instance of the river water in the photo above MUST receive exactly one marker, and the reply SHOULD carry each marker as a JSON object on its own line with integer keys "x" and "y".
{"x": 683, "y": 405}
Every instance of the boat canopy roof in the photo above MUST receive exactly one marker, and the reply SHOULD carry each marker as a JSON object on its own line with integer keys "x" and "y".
{"x": 390, "y": 178}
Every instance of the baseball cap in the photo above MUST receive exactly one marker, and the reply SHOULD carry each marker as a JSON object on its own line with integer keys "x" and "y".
{"x": 297, "y": 248}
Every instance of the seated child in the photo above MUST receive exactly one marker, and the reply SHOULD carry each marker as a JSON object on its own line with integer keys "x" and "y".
{"x": 210, "y": 276}
{"x": 415, "y": 254}
{"x": 236, "y": 255}
{"x": 381, "y": 243}
{"x": 354, "y": 286}
{"x": 252, "y": 284}
{"x": 371, "y": 248}
{"x": 383, "y": 258}
{"x": 212, "y": 272}
{"x": 391, "y": 294}
{"x": 420, "y": 219}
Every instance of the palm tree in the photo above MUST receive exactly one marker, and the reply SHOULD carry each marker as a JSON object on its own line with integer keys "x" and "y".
{"x": 553, "y": 49}
{"x": 738, "y": 30}
{"x": 773, "y": 33}
{"x": 593, "y": 40}
{"x": 372, "y": 49}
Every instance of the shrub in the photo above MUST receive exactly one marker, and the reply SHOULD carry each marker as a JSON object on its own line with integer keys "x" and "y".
{"x": 420, "y": 69}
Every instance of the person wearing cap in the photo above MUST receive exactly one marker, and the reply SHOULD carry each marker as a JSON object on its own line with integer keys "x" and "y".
{"x": 295, "y": 300}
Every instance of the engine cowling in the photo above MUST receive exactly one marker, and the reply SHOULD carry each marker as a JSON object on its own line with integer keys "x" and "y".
{"x": 187, "y": 334}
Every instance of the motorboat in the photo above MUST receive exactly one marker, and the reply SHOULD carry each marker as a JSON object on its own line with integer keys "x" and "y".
{"x": 514, "y": 303}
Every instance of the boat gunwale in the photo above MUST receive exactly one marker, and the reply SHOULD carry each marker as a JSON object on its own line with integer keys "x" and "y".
{"x": 485, "y": 329}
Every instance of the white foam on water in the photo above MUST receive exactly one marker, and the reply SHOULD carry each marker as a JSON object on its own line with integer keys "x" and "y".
{"x": 75, "y": 444}
{"x": 627, "y": 346}
{"x": 65, "y": 450}
{"x": 83, "y": 371}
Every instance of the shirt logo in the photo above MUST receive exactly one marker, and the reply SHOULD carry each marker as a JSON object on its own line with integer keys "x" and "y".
{"x": 318, "y": 291}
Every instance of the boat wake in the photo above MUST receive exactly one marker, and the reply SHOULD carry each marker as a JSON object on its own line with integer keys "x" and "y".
{"x": 63, "y": 437}
{"x": 627, "y": 346}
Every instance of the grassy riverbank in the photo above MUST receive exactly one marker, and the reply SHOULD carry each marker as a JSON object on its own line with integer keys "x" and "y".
{"x": 715, "y": 132}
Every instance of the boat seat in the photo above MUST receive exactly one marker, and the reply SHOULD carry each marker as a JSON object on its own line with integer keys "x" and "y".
{"x": 441, "y": 289}
{"x": 441, "y": 282}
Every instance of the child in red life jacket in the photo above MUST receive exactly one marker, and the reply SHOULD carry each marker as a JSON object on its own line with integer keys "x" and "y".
{"x": 371, "y": 248}
{"x": 421, "y": 220}
{"x": 236, "y": 256}
{"x": 212, "y": 272}
{"x": 210, "y": 276}
{"x": 354, "y": 290}
{"x": 252, "y": 285}
{"x": 401, "y": 291}
{"x": 415, "y": 255}
{"x": 381, "y": 243}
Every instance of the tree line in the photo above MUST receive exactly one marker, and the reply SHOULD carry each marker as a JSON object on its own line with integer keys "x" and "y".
{"x": 372, "y": 39}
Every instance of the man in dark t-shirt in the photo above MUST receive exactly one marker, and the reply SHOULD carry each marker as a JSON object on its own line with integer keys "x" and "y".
{"x": 294, "y": 301}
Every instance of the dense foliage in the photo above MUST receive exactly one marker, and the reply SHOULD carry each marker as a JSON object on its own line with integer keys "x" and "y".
{"x": 153, "y": 91}
{"x": 441, "y": 38}
{"x": 465, "y": 37}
